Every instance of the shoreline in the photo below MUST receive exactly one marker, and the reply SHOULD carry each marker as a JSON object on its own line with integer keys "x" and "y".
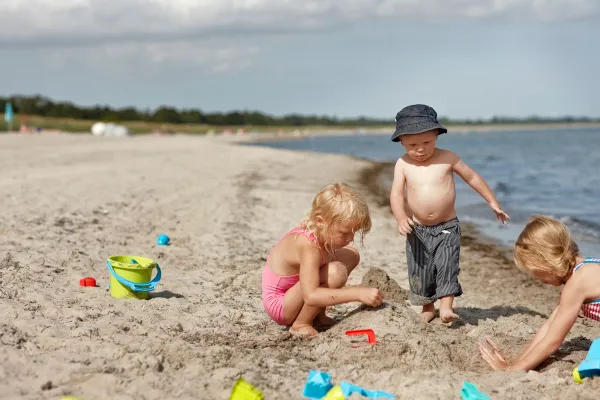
{"x": 291, "y": 132}
{"x": 452, "y": 129}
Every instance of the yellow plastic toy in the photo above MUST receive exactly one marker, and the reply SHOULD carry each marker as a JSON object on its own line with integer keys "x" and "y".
{"x": 335, "y": 393}
{"x": 576, "y": 376}
{"x": 242, "y": 390}
{"x": 131, "y": 276}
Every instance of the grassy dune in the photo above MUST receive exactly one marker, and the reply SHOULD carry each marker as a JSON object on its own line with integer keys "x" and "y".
{"x": 77, "y": 125}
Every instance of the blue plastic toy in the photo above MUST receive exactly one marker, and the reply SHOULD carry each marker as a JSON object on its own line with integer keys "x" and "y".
{"x": 591, "y": 365}
{"x": 470, "y": 392}
{"x": 317, "y": 385}
{"x": 349, "y": 388}
{"x": 162, "y": 240}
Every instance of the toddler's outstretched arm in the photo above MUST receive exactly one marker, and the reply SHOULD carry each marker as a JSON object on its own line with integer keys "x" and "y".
{"x": 473, "y": 179}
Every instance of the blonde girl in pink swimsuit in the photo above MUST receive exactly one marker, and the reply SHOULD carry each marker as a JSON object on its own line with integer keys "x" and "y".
{"x": 307, "y": 269}
{"x": 546, "y": 250}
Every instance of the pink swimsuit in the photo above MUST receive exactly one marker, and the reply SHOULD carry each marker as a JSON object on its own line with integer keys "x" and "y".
{"x": 274, "y": 286}
{"x": 591, "y": 309}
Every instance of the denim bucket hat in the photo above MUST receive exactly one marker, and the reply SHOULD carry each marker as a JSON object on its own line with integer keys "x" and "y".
{"x": 417, "y": 118}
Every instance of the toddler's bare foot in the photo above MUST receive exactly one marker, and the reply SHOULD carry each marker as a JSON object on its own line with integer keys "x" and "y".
{"x": 303, "y": 330}
{"x": 428, "y": 312}
{"x": 323, "y": 320}
{"x": 447, "y": 315}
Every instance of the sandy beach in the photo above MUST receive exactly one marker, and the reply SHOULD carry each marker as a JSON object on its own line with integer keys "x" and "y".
{"x": 71, "y": 201}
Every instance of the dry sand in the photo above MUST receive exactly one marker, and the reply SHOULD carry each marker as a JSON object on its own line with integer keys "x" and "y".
{"x": 69, "y": 202}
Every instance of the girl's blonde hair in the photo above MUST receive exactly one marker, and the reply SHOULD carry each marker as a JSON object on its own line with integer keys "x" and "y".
{"x": 335, "y": 203}
{"x": 545, "y": 244}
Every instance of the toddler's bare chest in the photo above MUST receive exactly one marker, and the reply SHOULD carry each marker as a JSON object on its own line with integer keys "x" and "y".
{"x": 430, "y": 175}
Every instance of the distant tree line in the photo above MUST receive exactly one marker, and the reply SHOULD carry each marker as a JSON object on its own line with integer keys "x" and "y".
{"x": 43, "y": 106}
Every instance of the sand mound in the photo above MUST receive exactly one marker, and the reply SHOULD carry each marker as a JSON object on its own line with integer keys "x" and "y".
{"x": 378, "y": 278}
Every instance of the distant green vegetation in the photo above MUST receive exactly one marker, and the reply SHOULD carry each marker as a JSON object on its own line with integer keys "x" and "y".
{"x": 81, "y": 125}
{"x": 43, "y": 112}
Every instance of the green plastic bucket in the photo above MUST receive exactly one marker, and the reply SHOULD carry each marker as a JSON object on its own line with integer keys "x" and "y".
{"x": 131, "y": 276}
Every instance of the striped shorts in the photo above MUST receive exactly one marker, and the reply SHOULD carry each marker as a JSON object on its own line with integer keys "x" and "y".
{"x": 432, "y": 254}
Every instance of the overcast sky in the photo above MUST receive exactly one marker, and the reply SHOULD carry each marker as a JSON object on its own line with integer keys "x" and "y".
{"x": 466, "y": 58}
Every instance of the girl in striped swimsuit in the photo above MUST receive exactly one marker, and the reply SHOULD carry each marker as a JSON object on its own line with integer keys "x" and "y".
{"x": 546, "y": 250}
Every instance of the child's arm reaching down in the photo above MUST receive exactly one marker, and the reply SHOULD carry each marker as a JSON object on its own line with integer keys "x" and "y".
{"x": 540, "y": 334}
{"x": 473, "y": 179}
{"x": 315, "y": 293}
{"x": 544, "y": 344}
{"x": 397, "y": 199}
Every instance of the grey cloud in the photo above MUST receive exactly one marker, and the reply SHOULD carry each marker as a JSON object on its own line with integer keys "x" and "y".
{"x": 26, "y": 24}
{"x": 148, "y": 59}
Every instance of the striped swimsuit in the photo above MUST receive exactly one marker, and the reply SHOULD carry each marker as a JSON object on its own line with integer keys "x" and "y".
{"x": 590, "y": 309}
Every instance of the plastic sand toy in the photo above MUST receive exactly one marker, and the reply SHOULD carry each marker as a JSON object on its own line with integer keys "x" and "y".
{"x": 470, "y": 392}
{"x": 88, "y": 281}
{"x": 131, "y": 276}
{"x": 335, "y": 394}
{"x": 348, "y": 389}
{"x": 163, "y": 240}
{"x": 368, "y": 332}
{"x": 317, "y": 385}
{"x": 591, "y": 365}
{"x": 242, "y": 390}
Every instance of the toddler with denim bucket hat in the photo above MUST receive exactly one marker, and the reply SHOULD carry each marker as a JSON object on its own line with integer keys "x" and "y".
{"x": 422, "y": 199}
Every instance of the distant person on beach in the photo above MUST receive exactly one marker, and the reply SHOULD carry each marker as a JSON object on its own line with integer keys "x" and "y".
{"x": 306, "y": 270}
{"x": 422, "y": 199}
{"x": 546, "y": 250}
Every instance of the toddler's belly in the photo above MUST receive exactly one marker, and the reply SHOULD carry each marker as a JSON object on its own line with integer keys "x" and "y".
{"x": 431, "y": 206}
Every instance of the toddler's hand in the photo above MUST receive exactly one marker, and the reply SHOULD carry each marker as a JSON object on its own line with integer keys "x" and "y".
{"x": 500, "y": 214}
{"x": 405, "y": 226}
{"x": 371, "y": 297}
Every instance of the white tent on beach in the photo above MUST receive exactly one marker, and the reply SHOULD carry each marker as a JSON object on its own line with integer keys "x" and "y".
{"x": 109, "y": 129}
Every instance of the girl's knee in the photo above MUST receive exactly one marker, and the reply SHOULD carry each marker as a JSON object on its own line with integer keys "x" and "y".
{"x": 337, "y": 274}
{"x": 354, "y": 257}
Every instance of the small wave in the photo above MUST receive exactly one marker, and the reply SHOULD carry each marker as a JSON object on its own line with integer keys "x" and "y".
{"x": 586, "y": 230}
{"x": 502, "y": 188}
{"x": 581, "y": 222}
